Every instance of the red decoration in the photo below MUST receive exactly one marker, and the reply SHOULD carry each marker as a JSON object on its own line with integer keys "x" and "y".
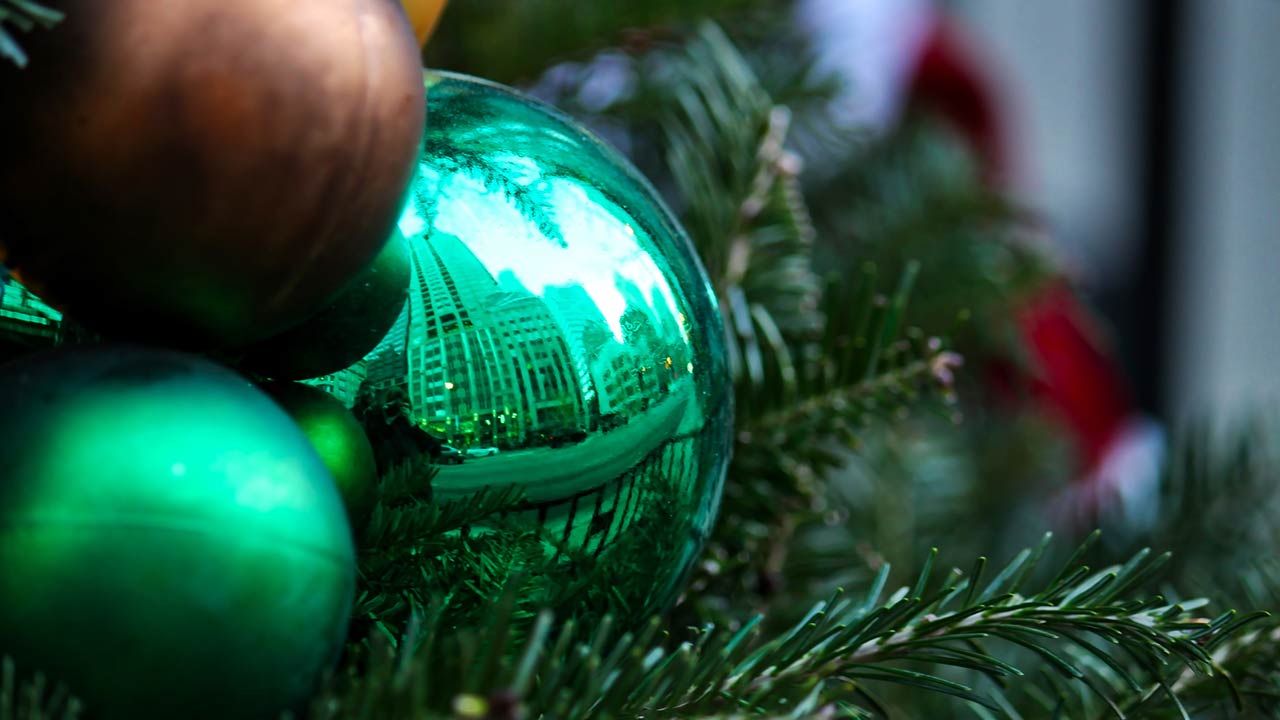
{"x": 948, "y": 82}
{"x": 1074, "y": 374}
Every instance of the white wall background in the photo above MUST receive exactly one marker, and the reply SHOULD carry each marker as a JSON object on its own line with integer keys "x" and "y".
{"x": 1070, "y": 83}
{"x": 1227, "y": 322}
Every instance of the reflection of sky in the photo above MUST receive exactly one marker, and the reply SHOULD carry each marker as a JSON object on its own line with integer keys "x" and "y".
{"x": 600, "y": 241}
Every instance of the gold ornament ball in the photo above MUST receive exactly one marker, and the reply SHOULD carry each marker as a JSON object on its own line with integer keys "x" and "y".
{"x": 423, "y": 15}
{"x": 206, "y": 173}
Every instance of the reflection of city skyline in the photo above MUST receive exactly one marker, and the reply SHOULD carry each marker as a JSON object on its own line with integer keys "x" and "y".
{"x": 26, "y": 321}
{"x": 485, "y": 361}
{"x": 598, "y": 253}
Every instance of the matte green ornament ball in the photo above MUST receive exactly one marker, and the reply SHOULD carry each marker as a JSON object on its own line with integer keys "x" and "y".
{"x": 346, "y": 330}
{"x": 171, "y": 544}
{"x": 337, "y": 438}
{"x": 561, "y": 336}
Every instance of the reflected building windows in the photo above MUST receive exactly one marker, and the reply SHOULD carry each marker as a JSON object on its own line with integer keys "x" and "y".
{"x": 481, "y": 363}
{"x": 26, "y": 321}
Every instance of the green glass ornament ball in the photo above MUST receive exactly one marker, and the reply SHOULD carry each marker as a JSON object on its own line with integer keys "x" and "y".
{"x": 561, "y": 336}
{"x": 170, "y": 544}
{"x": 337, "y": 438}
{"x": 344, "y": 331}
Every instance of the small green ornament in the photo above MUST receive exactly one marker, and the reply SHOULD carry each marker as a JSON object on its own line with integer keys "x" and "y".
{"x": 170, "y": 544}
{"x": 561, "y": 336}
{"x": 338, "y": 440}
{"x": 346, "y": 330}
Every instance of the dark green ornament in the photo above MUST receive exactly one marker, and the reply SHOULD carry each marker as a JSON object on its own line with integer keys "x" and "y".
{"x": 170, "y": 544}
{"x": 344, "y": 331}
{"x": 561, "y": 336}
{"x": 337, "y": 438}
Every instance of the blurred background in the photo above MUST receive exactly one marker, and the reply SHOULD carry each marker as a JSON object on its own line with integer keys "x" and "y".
{"x": 1148, "y": 133}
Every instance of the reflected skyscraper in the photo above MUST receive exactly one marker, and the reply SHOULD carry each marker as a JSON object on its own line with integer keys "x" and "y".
{"x": 586, "y": 329}
{"x": 26, "y": 321}
{"x": 637, "y": 301}
{"x": 624, "y": 381}
{"x": 481, "y": 364}
{"x": 387, "y": 365}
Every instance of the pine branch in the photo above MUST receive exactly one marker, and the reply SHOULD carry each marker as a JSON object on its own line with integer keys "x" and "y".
{"x": 413, "y": 547}
{"x": 23, "y": 16}
{"x": 33, "y": 699}
{"x": 916, "y": 197}
{"x": 813, "y": 360}
{"x": 1084, "y": 625}
{"x": 416, "y": 553}
{"x": 726, "y": 151}
{"x": 1218, "y": 502}
{"x": 1218, "y": 498}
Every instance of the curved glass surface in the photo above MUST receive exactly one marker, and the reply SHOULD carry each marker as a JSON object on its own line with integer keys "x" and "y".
{"x": 559, "y": 335}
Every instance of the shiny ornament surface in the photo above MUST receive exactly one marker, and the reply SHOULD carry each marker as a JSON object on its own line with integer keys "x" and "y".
{"x": 27, "y": 323}
{"x": 562, "y": 336}
{"x": 342, "y": 333}
{"x": 206, "y": 173}
{"x": 423, "y": 15}
{"x": 337, "y": 438}
{"x": 161, "y": 518}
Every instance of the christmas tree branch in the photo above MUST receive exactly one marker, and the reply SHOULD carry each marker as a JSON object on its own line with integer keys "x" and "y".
{"x": 33, "y": 699}
{"x": 1218, "y": 497}
{"x": 1088, "y": 626}
{"x": 814, "y": 360}
{"x": 726, "y": 149}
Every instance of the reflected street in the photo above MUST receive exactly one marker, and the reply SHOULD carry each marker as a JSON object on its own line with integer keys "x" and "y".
{"x": 550, "y": 474}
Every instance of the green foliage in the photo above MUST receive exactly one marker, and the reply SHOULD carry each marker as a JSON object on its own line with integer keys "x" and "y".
{"x": 417, "y": 553}
{"x": 815, "y": 359}
{"x": 916, "y": 197}
{"x": 1089, "y": 627}
{"x": 34, "y": 698}
{"x": 23, "y": 16}
{"x": 512, "y": 41}
{"x": 1217, "y": 500}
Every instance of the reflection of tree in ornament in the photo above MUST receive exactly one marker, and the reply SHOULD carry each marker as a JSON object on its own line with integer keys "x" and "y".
{"x": 500, "y": 176}
{"x": 594, "y": 337}
{"x": 638, "y": 330}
